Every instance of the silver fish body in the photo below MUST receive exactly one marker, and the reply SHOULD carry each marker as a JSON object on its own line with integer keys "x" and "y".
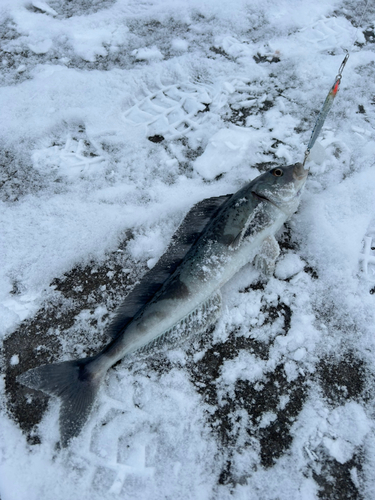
{"x": 217, "y": 238}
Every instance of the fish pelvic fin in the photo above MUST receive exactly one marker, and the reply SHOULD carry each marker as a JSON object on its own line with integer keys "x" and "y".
{"x": 75, "y": 383}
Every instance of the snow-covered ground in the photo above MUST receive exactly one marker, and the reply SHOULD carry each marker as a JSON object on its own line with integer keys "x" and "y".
{"x": 118, "y": 116}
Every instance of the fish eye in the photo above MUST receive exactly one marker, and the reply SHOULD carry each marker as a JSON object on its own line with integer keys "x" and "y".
{"x": 278, "y": 172}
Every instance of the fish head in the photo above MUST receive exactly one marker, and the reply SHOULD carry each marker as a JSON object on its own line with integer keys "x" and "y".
{"x": 281, "y": 186}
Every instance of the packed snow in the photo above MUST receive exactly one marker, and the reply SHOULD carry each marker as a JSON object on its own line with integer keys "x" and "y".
{"x": 117, "y": 117}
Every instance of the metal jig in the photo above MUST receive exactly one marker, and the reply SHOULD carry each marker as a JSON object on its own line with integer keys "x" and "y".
{"x": 326, "y": 107}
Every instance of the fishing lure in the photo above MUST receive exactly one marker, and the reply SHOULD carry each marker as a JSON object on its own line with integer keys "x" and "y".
{"x": 326, "y": 108}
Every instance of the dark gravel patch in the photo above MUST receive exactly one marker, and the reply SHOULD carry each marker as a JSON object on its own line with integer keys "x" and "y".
{"x": 53, "y": 331}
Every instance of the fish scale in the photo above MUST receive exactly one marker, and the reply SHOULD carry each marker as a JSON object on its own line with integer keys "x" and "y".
{"x": 191, "y": 325}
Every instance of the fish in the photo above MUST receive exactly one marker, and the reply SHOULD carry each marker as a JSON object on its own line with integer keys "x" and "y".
{"x": 180, "y": 295}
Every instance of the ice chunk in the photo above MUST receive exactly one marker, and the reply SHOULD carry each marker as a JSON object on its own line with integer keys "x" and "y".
{"x": 226, "y": 149}
{"x": 147, "y": 54}
{"x": 179, "y": 45}
{"x": 41, "y": 47}
{"x": 350, "y": 426}
{"x": 299, "y": 354}
{"x": 288, "y": 266}
{"x": 14, "y": 360}
{"x": 291, "y": 371}
{"x": 317, "y": 153}
{"x": 42, "y": 6}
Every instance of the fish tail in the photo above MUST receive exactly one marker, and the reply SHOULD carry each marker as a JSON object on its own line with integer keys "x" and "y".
{"x": 75, "y": 383}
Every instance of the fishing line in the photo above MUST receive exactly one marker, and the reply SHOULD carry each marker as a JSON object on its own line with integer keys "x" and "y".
{"x": 331, "y": 94}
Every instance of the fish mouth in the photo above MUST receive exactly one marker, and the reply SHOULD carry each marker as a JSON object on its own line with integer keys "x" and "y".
{"x": 299, "y": 172}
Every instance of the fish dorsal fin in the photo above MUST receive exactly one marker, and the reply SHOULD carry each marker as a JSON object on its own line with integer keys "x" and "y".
{"x": 193, "y": 225}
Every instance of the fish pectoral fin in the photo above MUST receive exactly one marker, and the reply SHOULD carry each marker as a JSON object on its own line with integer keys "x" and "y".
{"x": 257, "y": 221}
{"x": 236, "y": 240}
{"x": 235, "y": 243}
{"x": 265, "y": 260}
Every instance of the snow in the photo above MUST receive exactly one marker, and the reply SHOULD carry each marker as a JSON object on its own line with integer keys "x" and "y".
{"x": 14, "y": 360}
{"x": 147, "y": 53}
{"x": 289, "y": 265}
{"x": 117, "y": 117}
{"x": 44, "y": 7}
{"x": 225, "y": 150}
{"x": 180, "y": 45}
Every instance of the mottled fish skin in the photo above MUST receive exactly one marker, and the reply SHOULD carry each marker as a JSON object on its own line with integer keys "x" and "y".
{"x": 231, "y": 238}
